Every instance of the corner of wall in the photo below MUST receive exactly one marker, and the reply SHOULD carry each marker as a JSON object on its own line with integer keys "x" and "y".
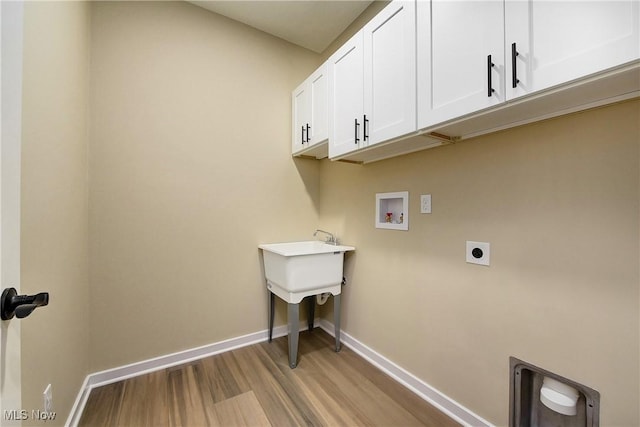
{"x": 54, "y": 210}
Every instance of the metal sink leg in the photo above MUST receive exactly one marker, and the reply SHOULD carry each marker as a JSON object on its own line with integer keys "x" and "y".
{"x": 272, "y": 304}
{"x": 336, "y": 320}
{"x": 294, "y": 329}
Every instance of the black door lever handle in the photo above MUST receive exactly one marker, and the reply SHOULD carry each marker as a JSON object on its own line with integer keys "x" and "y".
{"x": 12, "y": 304}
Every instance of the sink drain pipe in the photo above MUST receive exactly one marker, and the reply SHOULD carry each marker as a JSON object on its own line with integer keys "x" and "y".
{"x": 322, "y": 298}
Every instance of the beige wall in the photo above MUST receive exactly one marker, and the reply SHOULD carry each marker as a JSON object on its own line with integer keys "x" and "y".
{"x": 54, "y": 230}
{"x": 559, "y": 203}
{"x": 190, "y": 168}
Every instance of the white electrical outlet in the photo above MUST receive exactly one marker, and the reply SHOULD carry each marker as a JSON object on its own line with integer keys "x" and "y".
{"x": 478, "y": 253}
{"x": 48, "y": 399}
{"x": 425, "y": 203}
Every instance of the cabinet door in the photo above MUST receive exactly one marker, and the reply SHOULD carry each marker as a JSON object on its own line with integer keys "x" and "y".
{"x": 301, "y": 103}
{"x": 319, "y": 114}
{"x": 346, "y": 95}
{"x": 457, "y": 43}
{"x": 559, "y": 41}
{"x": 390, "y": 73}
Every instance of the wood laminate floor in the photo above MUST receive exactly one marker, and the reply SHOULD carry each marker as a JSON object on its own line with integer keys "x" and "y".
{"x": 254, "y": 386}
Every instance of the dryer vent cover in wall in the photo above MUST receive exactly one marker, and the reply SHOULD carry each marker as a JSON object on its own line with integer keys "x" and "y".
{"x": 541, "y": 398}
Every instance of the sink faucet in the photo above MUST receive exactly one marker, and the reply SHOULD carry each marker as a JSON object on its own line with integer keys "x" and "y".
{"x": 331, "y": 239}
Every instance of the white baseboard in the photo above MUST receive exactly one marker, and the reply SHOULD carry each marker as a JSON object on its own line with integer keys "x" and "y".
{"x": 110, "y": 376}
{"x": 407, "y": 379}
{"x": 419, "y": 387}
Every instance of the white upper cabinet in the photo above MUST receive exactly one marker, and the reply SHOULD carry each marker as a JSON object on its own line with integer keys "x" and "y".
{"x": 423, "y": 73}
{"x": 553, "y": 42}
{"x": 390, "y": 73}
{"x": 373, "y": 83}
{"x": 460, "y": 48}
{"x": 301, "y": 101}
{"x": 475, "y": 54}
{"x": 319, "y": 84}
{"x": 310, "y": 103}
{"x": 347, "y": 97}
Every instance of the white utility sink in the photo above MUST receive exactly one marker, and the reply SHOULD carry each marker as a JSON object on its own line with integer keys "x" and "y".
{"x": 295, "y": 270}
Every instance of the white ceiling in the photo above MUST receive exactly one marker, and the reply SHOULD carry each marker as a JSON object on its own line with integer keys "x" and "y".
{"x": 312, "y": 24}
